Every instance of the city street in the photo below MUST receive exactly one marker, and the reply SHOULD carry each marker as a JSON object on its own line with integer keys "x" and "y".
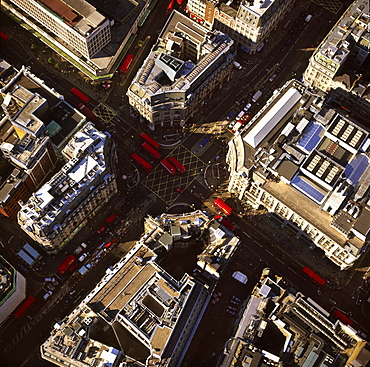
{"x": 263, "y": 243}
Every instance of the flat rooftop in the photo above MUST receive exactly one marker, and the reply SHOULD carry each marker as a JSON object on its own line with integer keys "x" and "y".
{"x": 124, "y": 285}
{"x": 307, "y": 210}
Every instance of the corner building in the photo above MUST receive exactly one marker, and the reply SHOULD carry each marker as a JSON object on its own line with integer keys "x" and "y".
{"x": 137, "y": 315}
{"x": 308, "y": 164}
{"x": 62, "y": 206}
{"x": 74, "y": 22}
{"x": 248, "y": 23}
{"x": 186, "y": 65}
{"x": 345, "y": 48}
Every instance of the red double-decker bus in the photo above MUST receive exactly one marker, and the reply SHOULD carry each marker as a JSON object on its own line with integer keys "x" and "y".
{"x": 80, "y": 95}
{"x": 313, "y": 276}
{"x": 64, "y": 266}
{"x": 342, "y": 317}
{"x": 154, "y": 153}
{"x": 146, "y": 165}
{"x": 126, "y": 63}
{"x": 223, "y": 206}
{"x": 111, "y": 218}
{"x": 4, "y": 36}
{"x": 177, "y": 164}
{"x": 87, "y": 112}
{"x": 24, "y": 307}
{"x": 150, "y": 140}
{"x": 225, "y": 222}
{"x": 170, "y": 7}
{"x": 168, "y": 166}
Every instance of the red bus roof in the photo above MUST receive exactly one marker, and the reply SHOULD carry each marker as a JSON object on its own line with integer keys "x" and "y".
{"x": 146, "y": 165}
{"x": 4, "y": 36}
{"x": 342, "y": 317}
{"x": 227, "y": 224}
{"x": 154, "y": 153}
{"x": 126, "y": 63}
{"x": 24, "y": 307}
{"x": 168, "y": 166}
{"x": 150, "y": 140}
{"x": 62, "y": 268}
{"x": 87, "y": 111}
{"x": 170, "y": 7}
{"x": 80, "y": 95}
{"x": 223, "y": 206}
{"x": 111, "y": 218}
{"x": 313, "y": 275}
{"x": 177, "y": 164}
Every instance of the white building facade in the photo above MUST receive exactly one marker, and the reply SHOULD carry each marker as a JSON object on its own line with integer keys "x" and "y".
{"x": 248, "y": 23}
{"x": 80, "y": 25}
{"x": 61, "y": 207}
{"x": 345, "y": 47}
{"x": 187, "y": 64}
{"x": 309, "y": 165}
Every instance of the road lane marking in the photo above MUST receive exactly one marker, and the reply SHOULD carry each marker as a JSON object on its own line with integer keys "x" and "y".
{"x": 246, "y": 234}
{"x": 270, "y": 253}
{"x": 258, "y": 244}
{"x": 292, "y": 270}
{"x": 280, "y": 261}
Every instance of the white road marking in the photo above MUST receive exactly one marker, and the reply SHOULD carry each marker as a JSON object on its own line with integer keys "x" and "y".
{"x": 258, "y": 243}
{"x": 246, "y": 234}
{"x": 270, "y": 253}
{"x": 280, "y": 261}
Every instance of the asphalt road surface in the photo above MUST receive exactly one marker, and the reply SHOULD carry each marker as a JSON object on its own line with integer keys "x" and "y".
{"x": 21, "y": 338}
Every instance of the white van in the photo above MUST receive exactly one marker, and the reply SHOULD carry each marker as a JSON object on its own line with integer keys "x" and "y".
{"x": 237, "y": 65}
{"x": 241, "y": 114}
{"x": 308, "y": 18}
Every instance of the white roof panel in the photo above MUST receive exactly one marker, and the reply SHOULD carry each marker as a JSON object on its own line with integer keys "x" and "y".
{"x": 79, "y": 172}
{"x": 272, "y": 117}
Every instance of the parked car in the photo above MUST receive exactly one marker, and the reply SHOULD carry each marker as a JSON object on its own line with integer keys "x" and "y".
{"x": 47, "y": 295}
{"x": 247, "y": 107}
{"x": 83, "y": 256}
{"x": 101, "y": 229}
{"x": 179, "y": 190}
{"x": 245, "y": 118}
{"x": 272, "y": 77}
{"x": 49, "y": 279}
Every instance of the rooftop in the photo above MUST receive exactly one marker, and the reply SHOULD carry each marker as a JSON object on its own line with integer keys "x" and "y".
{"x": 144, "y": 306}
{"x": 79, "y": 14}
{"x": 320, "y": 155}
{"x": 34, "y": 108}
{"x": 337, "y": 45}
{"x": 86, "y": 151}
{"x": 288, "y": 328}
{"x": 172, "y": 67}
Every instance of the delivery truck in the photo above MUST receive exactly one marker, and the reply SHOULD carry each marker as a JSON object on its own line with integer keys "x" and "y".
{"x": 256, "y": 96}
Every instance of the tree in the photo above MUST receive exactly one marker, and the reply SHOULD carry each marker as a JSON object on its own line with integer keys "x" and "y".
{"x": 58, "y": 66}
{"x": 50, "y": 61}
{"x": 33, "y": 46}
